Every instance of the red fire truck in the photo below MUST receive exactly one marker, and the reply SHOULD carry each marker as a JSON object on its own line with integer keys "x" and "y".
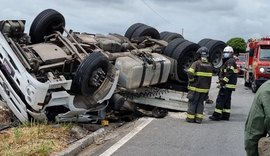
{"x": 257, "y": 63}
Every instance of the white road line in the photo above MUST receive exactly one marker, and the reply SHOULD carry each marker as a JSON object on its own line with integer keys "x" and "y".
{"x": 126, "y": 138}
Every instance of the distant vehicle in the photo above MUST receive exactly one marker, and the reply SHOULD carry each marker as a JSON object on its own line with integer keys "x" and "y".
{"x": 240, "y": 62}
{"x": 257, "y": 63}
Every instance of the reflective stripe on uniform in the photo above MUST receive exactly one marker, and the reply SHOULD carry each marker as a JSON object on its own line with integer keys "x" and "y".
{"x": 191, "y": 80}
{"x": 225, "y": 79}
{"x": 218, "y": 110}
{"x": 200, "y": 90}
{"x": 206, "y": 74}
{"x": 233, "y": 69}
{"x": 226, "y": 110}
{"x": 191, "y": 70}
{"x": 199, "y": 115}
{"x": 232, "y": 86}
{"x": 190, "y": 116}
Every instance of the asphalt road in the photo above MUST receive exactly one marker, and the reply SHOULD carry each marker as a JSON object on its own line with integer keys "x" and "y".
{"x": 172, "y": 136}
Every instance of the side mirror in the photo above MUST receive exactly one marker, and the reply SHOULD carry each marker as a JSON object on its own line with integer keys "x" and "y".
{"x": 251, "y": 52}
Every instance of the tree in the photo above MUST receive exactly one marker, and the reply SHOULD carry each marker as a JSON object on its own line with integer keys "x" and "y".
{"x": 238, "y": 44}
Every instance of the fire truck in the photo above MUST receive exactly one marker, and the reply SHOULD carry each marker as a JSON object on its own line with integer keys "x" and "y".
{"x": 257, "y": 63}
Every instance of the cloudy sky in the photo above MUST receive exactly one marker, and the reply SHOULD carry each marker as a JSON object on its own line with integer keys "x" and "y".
{"x": 198, "y": 19}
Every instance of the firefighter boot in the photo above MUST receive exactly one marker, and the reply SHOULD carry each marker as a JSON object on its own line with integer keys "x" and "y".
{"x": 198, "y": 120}
{"x": 225, "y": 116}
{"x": 189, "y": 120}
{"x": 214, "y": 118}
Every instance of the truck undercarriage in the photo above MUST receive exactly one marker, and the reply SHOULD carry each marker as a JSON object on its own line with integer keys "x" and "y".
{"x": 60, "y": 75}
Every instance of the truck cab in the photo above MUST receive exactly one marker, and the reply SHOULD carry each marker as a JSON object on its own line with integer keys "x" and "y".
{"x": 258, "y": 63}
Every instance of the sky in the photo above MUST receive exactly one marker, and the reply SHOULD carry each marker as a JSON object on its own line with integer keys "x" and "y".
{"x": 196, "y": 19}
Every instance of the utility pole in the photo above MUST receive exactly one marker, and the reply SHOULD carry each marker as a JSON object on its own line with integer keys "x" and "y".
{"x": 182, "y": 32}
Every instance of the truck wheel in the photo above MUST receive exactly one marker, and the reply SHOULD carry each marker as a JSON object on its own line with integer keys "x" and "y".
{"x": 172, "y": 45}
{"x": 171, "y": 36}
{"x": 215, "y": 53}
{"x": 184, "y": 54}
{"x": 90, "y": 74}
{"x": 254, "y": 86}
{"x": 45, "y": 24}
{"x": 132, "y": 29}
{"x": 146, "y": 31}
{"x": 163, "y": 34}
{"x": 246, "y": 84}
{"x": 204, "y": 41}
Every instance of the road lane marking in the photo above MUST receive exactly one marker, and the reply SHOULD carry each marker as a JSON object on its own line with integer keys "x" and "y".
{"x": 126, "y": 138}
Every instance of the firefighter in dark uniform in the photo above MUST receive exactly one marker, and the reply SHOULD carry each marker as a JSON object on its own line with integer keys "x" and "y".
{"x": 200, "y": 76}
{"x": 227, "y": 81}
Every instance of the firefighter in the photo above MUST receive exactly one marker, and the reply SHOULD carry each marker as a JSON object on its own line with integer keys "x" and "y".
{"x": 227, "y": 81}
{"x": 199, "y": 75}
{"x": 258, "y": 121}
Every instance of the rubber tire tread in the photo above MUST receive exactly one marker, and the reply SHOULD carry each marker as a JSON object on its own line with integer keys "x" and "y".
{"x": 178, "y": 54}
{"x": 168, "y": 51}
{"x": 213, "y": 45}
{"x": 163, "y": 34}
{"x": 41, "y": 23}
{"x": 171, "y": 36}
{"x": 88, "y": 65}
{"x": 204, "y": 41}
{"x": 146, "y": 31}
{"x": 132, "y": 29}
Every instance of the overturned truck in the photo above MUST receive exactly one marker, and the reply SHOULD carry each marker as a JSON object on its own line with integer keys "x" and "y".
{"x": 60, "y": 75}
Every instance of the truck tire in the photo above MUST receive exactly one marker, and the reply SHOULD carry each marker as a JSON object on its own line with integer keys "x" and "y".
{"x": 132, "y": 29}
{"x": 95, "y": 66}
{"x": 246, "y": 83}
{"x": 254, "y": 86}
{"x": 45, "y": 24}
{"x": 172, "y": 45}
{"x": 163, "y": 34}
{"x": 171, "y": 36}
{"x": 204, "y": 41}
{"x": 184, "y": 54}
{"x": 146, "y": 31}
{"x": 215, "y": 53}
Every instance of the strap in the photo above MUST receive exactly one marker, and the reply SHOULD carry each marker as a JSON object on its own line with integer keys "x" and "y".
{"x": 143, "y": 74}
{"x": 161, "y": 71}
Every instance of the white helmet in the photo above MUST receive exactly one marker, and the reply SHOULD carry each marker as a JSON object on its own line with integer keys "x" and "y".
{"x": 228, "y": 49}
{"x": 228, "y": 52}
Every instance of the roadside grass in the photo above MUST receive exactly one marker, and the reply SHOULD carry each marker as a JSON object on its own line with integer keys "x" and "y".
{"x": 34, "y": 139}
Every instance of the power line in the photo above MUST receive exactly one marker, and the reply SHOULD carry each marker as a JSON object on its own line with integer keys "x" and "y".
{"x": 146, "y": 4}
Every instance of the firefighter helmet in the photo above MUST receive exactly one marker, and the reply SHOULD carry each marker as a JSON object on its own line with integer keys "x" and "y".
{"x": 228, "y": 52}
{"x": 202, "y": 52}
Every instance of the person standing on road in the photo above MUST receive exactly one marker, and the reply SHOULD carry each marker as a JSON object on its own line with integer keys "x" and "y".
{"x": 258, "y": 121}
{"x": 200, "y": 76}
{"x": 227, "y": 81}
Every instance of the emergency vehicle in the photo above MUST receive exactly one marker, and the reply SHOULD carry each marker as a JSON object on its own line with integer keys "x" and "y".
{"x": 257, "y": 63}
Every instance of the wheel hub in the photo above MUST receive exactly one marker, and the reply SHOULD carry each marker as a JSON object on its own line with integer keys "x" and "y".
{"x": 97, "y": 77}
{"x": 217, "y": 59}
